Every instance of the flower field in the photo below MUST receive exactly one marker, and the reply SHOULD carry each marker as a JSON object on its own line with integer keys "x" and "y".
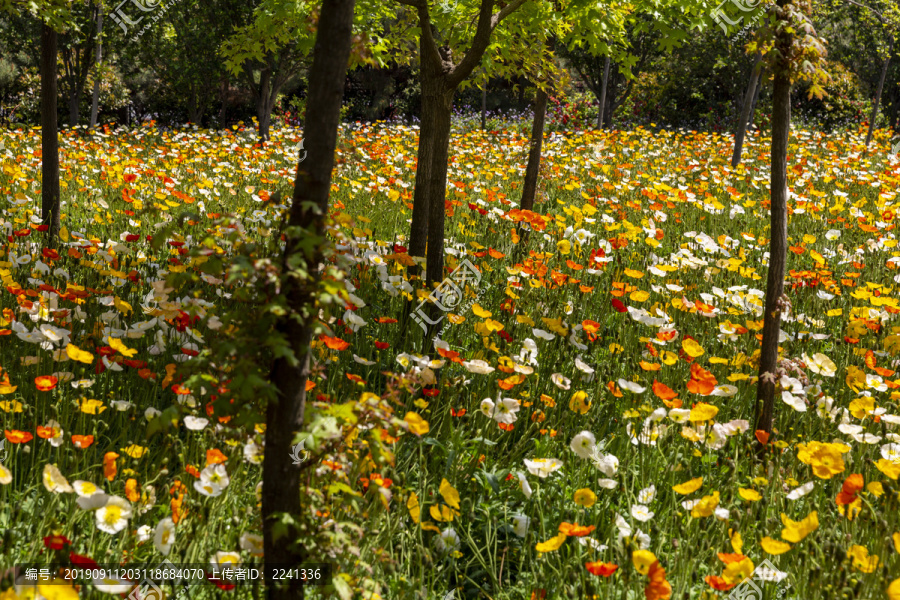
{"x": 582, "y": 428}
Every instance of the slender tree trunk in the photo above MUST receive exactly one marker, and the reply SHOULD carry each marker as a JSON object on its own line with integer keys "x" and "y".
{"x": 875, "y": 105}
{"x": 73, "y": 108}
{"x": 484, "y": 105}
{"x": 284, "y": 417}
{"x": 440, "y": 110}
{"x": 49, "y": 140}
{"x": 759, "y": 86}
{"x": 95, "y": 96}
{"x": 603, "y": 93}
{"x": 744, "y": 118}
{"x": 263, "y": 115}
{"x": 529, "y": 187}
{"x": 429, "y": 131}
{"x": 781, "y": 131}
{"x": 224, "y": 106}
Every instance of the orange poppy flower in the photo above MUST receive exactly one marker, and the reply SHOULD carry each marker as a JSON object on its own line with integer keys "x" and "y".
{"x": 662, "y": 391}
{"x": 46, "y": 432}
{"x": 334, "y": 343}
{"x": 17, "y": 437}
{"x": 82, "y": 441}
{"x": 576, "y": 530}
{"x": 215, "y": 457}
{"x": 109, "y": 465}
{"x": 702, "y": 381}
{"x": 601, "y": 569}
{"x": 718, "y": 583}
{"x": 591, "y": 328}
{"x": 657, "y": 588}
{"x": 852, "y": 485}
{"x": 45, "y": 383}
{"x": 131, "y": 490}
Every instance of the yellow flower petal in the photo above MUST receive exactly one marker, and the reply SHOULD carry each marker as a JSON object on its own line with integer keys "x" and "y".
{"x": 449, "y": 493}
{"x": 416, "y": 423}
{"x": 552, "y": 544}
{"x": 688, "y": 487}
{"x": 749, "y": 495}
{"x": 119, "y": 346}
{"x": 775, "y": 547}
{"x": 77, "y": 354}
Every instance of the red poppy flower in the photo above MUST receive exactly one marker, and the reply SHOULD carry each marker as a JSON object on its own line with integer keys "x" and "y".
{"x": 56, "y": 542}
{"x": 619, "y": 305}
{"x": 219, "y": 583}
{"x": 83, "y": 561}
{"x": 382, "y": 345}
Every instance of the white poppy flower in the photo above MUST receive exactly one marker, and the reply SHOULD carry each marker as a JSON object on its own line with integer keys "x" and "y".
{"x": 113, "y": 516}
{"x": 583, "y": 444}
{"x": 543, "y": 467}
{"x": 641, "y": 513}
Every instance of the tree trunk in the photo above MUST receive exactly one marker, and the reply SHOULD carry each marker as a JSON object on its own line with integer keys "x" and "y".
{"x": 529, "y": 187}
{"x": 875, "y": 105}
{"x": 744, "y": 118}
{"x": 194, "y": 112}
{"x": 284, "y": 418}
{"x": 759, "y": 86}
{"x": 603, "y": 93}
{"x": 224, "y": 106}
{"x": 781, "y": 130}
{"x": 431, "y": 83}
{"x": 440, "y": 107}
{"x": 95, "y": 96}
{"x": 263, "y": 115}
{"x": 484, "y": 105}
{"x": 439, "y": 77}
{"x": 73, "y": 108}
{"x": 49, "y": 140}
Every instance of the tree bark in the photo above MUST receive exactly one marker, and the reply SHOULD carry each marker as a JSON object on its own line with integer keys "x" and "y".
{"x": 429, "y": 136}
{"x": 744, "y": 117}
{"x": 284, "y": 416}
{"x": 224, "y": 105}
{"x": 263, "y": 115}
{"x": 484, "y": 105}
{"x": 781, "y": 131}
{"x": 603, "y": 93}
{"x": 95, "y": 97}
{"x": 875, "y": 105}
{"x": 532, "y": 170}
{"x": 759, "y": 85}
{"x": 437, "y": 108}
{"x": 49, "y": 140}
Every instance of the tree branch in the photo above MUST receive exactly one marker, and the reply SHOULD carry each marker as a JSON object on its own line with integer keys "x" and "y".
{"x": 869, "y": 8}
{"x": 427, "y": 44}
{"x": 486, "y": 24}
